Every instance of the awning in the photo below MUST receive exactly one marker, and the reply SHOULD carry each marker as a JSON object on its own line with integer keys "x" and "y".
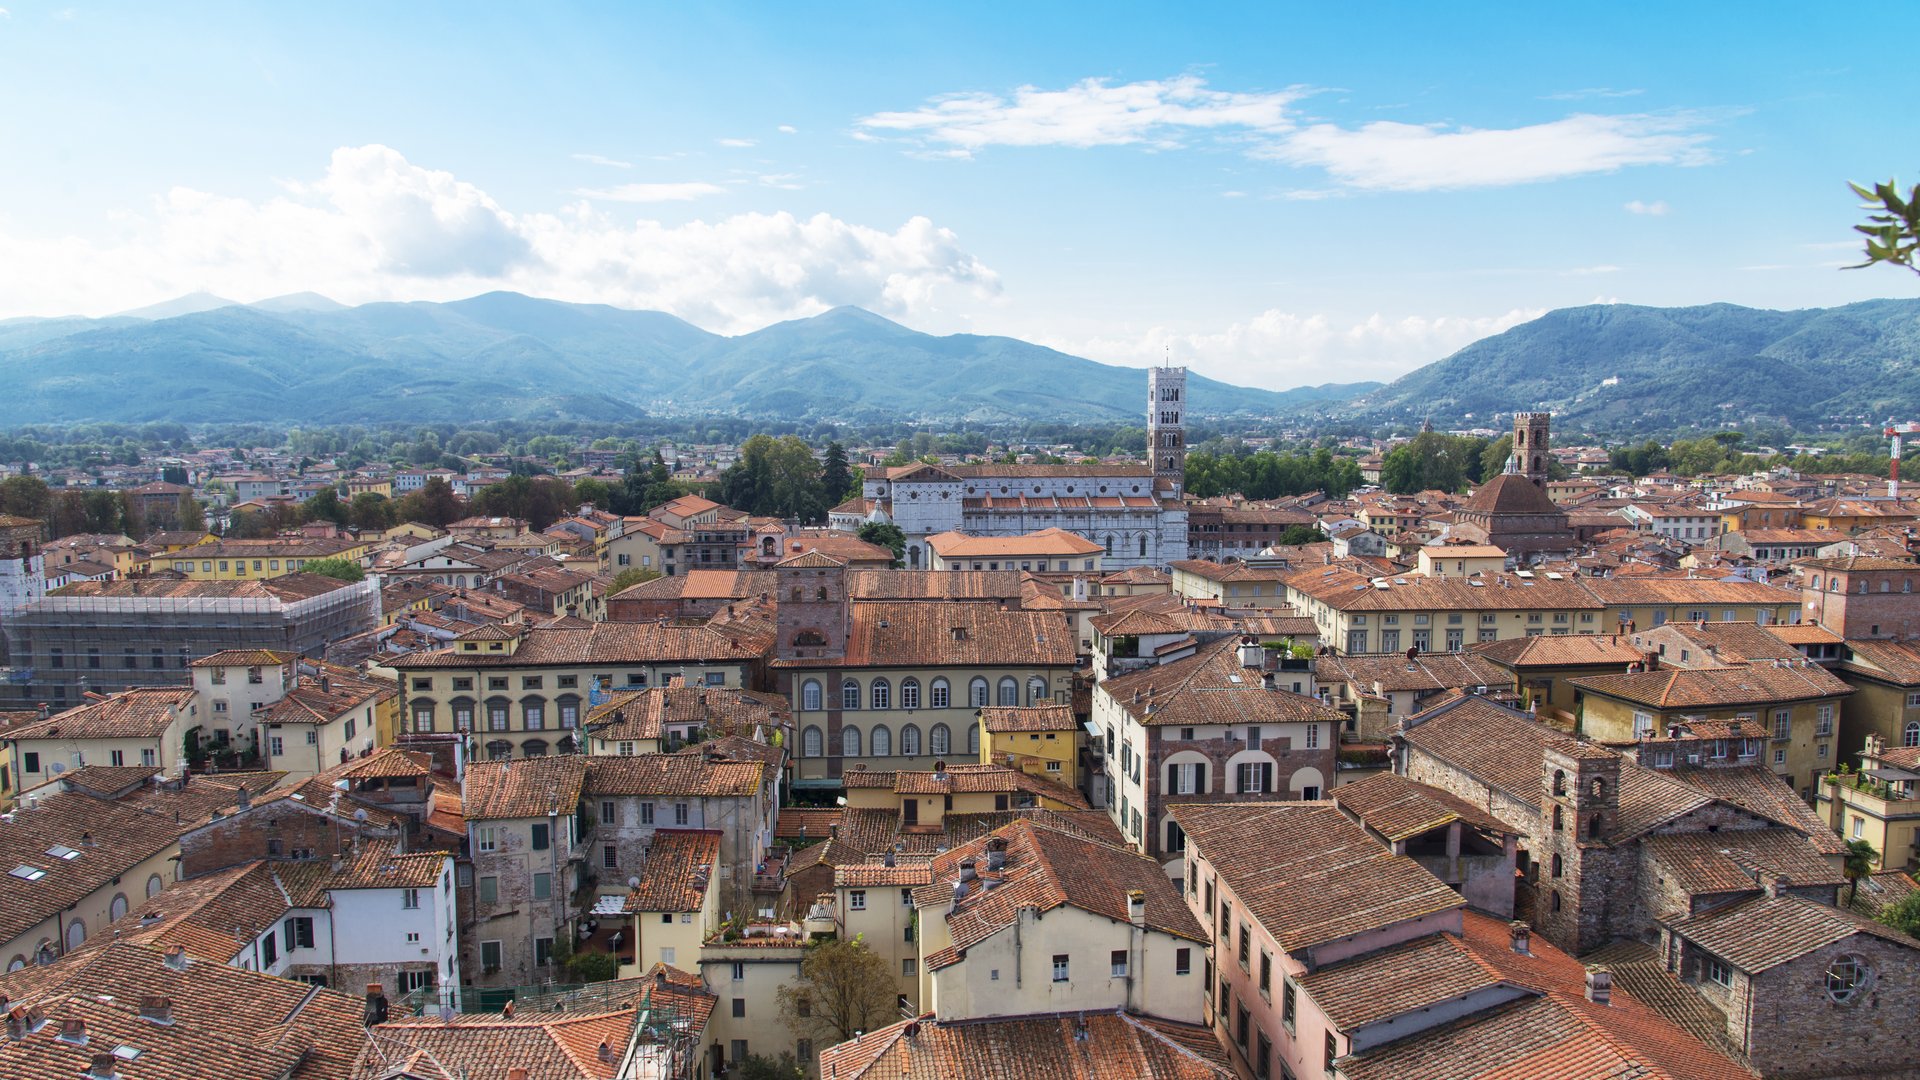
{"x": 1891, "y": 775}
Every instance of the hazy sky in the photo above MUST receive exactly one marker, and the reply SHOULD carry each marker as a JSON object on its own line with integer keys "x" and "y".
{"x": 1280, "y": 195}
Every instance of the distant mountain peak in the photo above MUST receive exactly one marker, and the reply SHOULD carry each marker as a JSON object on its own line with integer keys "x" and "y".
{"x": 191, "y": 304}
{"x": 300, "y": 301}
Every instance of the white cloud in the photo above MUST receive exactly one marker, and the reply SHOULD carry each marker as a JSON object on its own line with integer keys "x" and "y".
{"x": 646, "y": 193}
{"x": 596, "y": 159}
{"x": 1656, "y": 208}
{"x": 1391, "y": 156}
{"x": 377, "y": 227}
{"x": 1282, "y": 349}
{"x": 738, "y": 143}
{"x": 788, "y": 129}
{"x": 1583, "y": 271}
{"x": 1092, "y": 112}
{"x": 784, "y": 181}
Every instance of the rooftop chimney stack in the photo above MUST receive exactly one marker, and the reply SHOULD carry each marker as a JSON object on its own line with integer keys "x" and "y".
{"x": 1137, "y": 907}
{"x": 156, "y": 1008}
{"x": 176, "y": 958}
{"x": 100, "y": 1067}
{"x": 376, "y": 1004}
{"x": 1520, "y": 937}
{"x": 1599, "y": 984}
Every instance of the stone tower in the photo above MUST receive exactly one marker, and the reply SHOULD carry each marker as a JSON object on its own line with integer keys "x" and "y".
{"x": 1530, "y": 443}
{"x": 1166, "y": 430}
{"x": 1580, "y": 808}
{"x": 811, "y": 617}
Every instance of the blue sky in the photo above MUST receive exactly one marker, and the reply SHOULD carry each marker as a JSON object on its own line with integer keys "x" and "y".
{"x": 1276, "y": 195}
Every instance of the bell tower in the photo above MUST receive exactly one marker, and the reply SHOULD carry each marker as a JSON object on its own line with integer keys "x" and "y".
{"x": 1530, "y": 444}
{"x": 1166, "y": 429}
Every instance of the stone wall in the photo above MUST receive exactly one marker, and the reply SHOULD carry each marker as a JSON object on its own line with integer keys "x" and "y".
{"x": 1793, "y": 1029}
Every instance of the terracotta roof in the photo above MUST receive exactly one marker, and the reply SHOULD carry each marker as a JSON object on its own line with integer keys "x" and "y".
{"x": 687, "y": 775}
{"x": 1511, "y": 493}
{"x": 1028, "y": 718}
{"x": 549, "y": 1045}
{"x": 244, "y": 658}
{"x": 287, "y": 588}
{"x": 1729, "y": 642}
{"x": 1077, "y": 1046}
{"x": 1210, "y": 688}
{"x": 908, "y": 634}
{"x": 1848, "y": 563}
{"x": 1308, "y": 873}
{"x": 1046, "y": 542}
{"x": 798, "y": 822}
{"x": 992, "y": 585}
{"x": 910, "y": 873}
{"x": 144, "y": 712}
{"x": 230, "y": 1023}
{"x": 811, "y": 560}
{"x": 1137, "y": 575}
{"x": 1560, "y": 650}
{"x": 1898, "y": 661}
{"x": 317, "y": 702}
{"x": 1049, "y": 868}
{"x": 390, "y": 761}
{"x": 681, "y": 866}
{"x": 1427, "y": 672}
{"x": 1419, "y": 974}
{"x": 1763, "y": 932}
{"x": 1345, "y": 590}
{"x": 1757, "y": 789}
{"x": 602, "y": 643}
{"x": 1644, "y": 591}
{"x": 1703, "y": 688}
{"x": 1228, "y": 571}
{"x": 525, "y": 788}
{"x": 959, "y": 779}
{"x": 1398, "y": 808}
{"x": 646, "y": 714}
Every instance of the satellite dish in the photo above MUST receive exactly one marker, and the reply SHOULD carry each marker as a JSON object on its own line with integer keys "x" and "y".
{"x": 633, "y": 883}
{"x": 360, "y": 815}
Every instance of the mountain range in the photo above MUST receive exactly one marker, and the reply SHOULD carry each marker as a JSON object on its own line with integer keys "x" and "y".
{"x": 1612, "y": 368}
{"x": 1624, "y": 369}
{"x": 202, "y": 359}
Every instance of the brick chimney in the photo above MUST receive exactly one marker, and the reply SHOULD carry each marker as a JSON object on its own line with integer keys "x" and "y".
{"x": 1520, "y": 937}
{"x": 100, "y": 1067}
{"x": 156, "y": 1008}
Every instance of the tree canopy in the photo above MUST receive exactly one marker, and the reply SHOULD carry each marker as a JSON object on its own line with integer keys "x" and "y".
{"x": 844, "y": 989}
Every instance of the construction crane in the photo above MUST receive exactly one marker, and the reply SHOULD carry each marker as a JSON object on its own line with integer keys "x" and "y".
{"x": 1894, "y": 432}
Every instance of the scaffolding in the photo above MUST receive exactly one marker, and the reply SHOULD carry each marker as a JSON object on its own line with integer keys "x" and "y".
{"x": 108, "y": 643}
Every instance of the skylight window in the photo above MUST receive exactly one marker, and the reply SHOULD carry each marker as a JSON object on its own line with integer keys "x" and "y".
{"x": 61, "y": 851}
{"x": 27, "y": 873}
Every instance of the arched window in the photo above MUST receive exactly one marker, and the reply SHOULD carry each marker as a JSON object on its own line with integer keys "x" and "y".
{"x": 882, "y": 742}
{"x": 937, "y": 694}
{"x": 1009, "y": 691}
{"x": 881, "y": 694}
{"x": 909, "y": 693}
{"x": 1559, "y": 782}
{"x": 977, "y": 693}
{"x": 499, "y": 750}
{"x": 422, "y": 714}
{"x": 810, "y": 695}
{"x": 913, "y": 557}
{"x": 566, "y": 745}
{"x": 1885, "y": 585}
{"x": 1553, "y": 900}
{"x": 533, "y": 711}
{"x": 1143, "y": 536}
{"x": 1036, "y": 691}
{"x": 909, "y": 739}
{"x": 1557, "y": 868}
{"x": 118, "y": 909}
{"x": 534, "y": 748}
{"x": 1816, "y": 583}
{"x": 939, "y": 741}
{"x": 1593, "y": 827}
{"x": 850, "y": 742}
{"x": 796, "y": 594}
{"x": 567, "y": 706}
{"x": 1911, "y": 736}
{"x": 462, "y": 713}
{"x": 850, "y": 694}
{"x": 16, "y": 963}
{"x": 1109, "y": 545}
{"x": 820, "y": 593}
{"x": 76, "y": 934}
{"x": 1559, "y": 822}
{"x": 1598, "y": 788}
{"x": 154, "y": 885}
{"x": 973, "y": 740}
{"x": 812, "y": 742}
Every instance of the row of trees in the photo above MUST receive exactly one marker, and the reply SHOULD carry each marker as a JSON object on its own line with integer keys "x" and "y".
{"x": 781, "y": 478}
{"x": 1269, "y": 475}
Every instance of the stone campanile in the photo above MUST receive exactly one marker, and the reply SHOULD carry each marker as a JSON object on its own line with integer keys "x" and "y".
{"x": 1530, "y": 442}
{"x": 1166, "y": 429}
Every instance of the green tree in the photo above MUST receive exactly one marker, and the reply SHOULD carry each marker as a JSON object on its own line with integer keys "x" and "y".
{"x": 26, "y": 496}
{"x": 597, "y": 492}
{"x": 1860, "y": 857}
{"x": 325, "y": 505}
{"x": 631, "y": 576}
{"x": 188, "y": 515}
{"x": 887, "y": 535}
{"x": 1903, "y": 914}
{"x": 844, "y": 988}
{"x": 836, "y": 480}
{"x": 1893, "y": 228}
{"x": 343, "y": 569}
{"x": 764, "y": 1067}
{"x": 1295, "y": 535}
{"x": 371, "y": 511}
{"x": 1432, "y": 461}
{"x": 434, "y": 504}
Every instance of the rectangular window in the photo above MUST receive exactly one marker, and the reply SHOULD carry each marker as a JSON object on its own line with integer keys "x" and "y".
{"x": 299, "y": 931}
{"x": 542, "y": 951}
{"x": 1266, "y": 974}
{"x": 606, "y": 812}
{"x": 646, "y": 813}
{"x": 1719, "y": 972}
{"x": 1059, "y": 967}
{"x": 1183, "y": 961}
{"x": 1333, "y": 1051}
{"x": 907, "y": 967}
{"x": 270, "y": 950}
{"x": 857, "y": 900}
{"x": 490, "y": 955}
{"x": 541, "y": 836}
{"x": 1823, "y": 720}
{"x": 1782, "y": 724}
{"x": 116, "y": 757}
{"x": 1242, "y": 1025}
{"x": 484, "y": 839}
{"x": 680, "y": 813}
{"x": 1313, "y": 736}
{"x": 1286, "y": 1004}
{"x": 1642, "y": 725}
{"x": 410, "y": 899}
{"x": 543, "y": 886}
{"x": 490, "y": 890}
{"x": 1262, "y": 1063}
{"x": 30, "y": 761}
{"x": 609, "y": 857}
{"x": 1246, "y": 947}
{"x": 1119, "y": 960}
{"x": 740, "y": 1007}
